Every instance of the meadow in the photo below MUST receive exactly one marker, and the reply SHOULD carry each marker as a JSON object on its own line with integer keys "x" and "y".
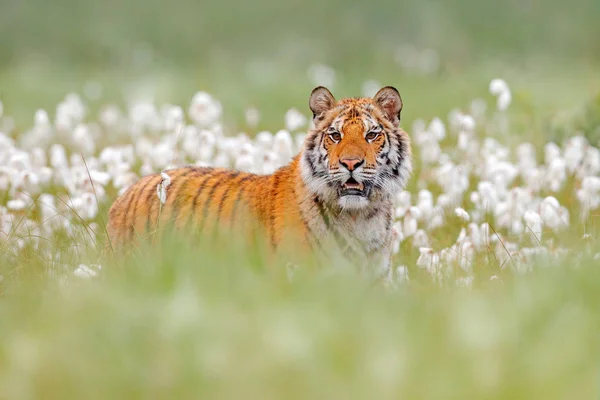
{"x": 495, "y": 279}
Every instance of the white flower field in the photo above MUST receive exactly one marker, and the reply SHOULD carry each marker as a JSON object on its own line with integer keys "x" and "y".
{"x": 508, "y": 207}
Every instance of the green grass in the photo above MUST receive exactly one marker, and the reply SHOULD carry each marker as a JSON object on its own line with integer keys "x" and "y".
{"x": 184, "y": 322}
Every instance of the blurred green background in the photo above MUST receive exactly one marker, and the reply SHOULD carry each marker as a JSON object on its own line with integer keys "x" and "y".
{"x": 257, "y": 53}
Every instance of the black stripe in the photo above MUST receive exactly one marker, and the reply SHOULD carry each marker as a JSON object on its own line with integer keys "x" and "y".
{"x": 273, "y": 206}
{"x": 131, "y": 205}
{"x": 310, "y": 145}
{"x": 226, "y": 194}
{"x": 178, "y": 201}
{"x": 238, "y": 198}
{"x": 199, "y": 192}
{"x": 209, "y": 198}
{"x": 149, "y": 200}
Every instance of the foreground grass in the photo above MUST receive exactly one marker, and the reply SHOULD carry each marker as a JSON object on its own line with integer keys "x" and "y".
{"x": 185, "y": 322}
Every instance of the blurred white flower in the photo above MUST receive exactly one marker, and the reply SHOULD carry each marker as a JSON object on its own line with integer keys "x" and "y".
{"x": 402, "y": 202}
{"x": 252, "y": 117}
{"x": 402, "y": 274}
{"x": 283, "y": 146}
{"x": 204, "y": 110}
{"x": 173, "y": 118}
{"x": 85, "y": 206}
{"x": 409, "y": 227}
{"x": 69, "y": 113}
{"x": 110, "y": 115}
{"x": 462, "y": 214}
{"x": 17, "y": 204}
{"x": 467, "y": 123}
{"x": 420, "y": 239}
{"x": 294, "y": 120}
{"x": 534, "y": 223}
{"x": 82, "y": 139}
{"x": 161, "y": 188}
{"x": 498, "y": 86}
{"x": 438, "y": 129}
{"x": 83, "y": 271}
{"x": 500, "y": 89}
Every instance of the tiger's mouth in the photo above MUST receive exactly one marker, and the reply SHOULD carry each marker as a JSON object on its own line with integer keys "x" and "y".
{"x": 353, "y": 188}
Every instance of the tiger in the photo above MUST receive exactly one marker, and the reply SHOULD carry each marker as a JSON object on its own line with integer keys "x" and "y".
{"x": 336, "y": 194}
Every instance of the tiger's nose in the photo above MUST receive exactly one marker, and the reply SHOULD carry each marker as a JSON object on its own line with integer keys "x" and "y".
{"x": 351, "y": 163}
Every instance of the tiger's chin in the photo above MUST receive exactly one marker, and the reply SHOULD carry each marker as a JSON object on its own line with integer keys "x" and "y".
{"x": 353, "y": 201}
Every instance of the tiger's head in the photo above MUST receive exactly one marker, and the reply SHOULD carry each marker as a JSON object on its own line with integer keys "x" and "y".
{"x": 356, "y": 154}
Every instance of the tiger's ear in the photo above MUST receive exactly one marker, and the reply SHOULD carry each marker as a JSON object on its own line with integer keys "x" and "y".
{"x": 321, "y": 100}
{"x": 388, "y": 98}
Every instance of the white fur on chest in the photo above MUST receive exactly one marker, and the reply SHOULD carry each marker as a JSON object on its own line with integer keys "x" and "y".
{"x": 371, "y": 232}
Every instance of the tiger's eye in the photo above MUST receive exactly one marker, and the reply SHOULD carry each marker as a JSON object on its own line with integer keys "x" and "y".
{"x": 335, "y": 136}
{"x": 372, "y": 135}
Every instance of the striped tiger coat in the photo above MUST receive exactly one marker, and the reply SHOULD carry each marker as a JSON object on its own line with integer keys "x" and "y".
{"x": 336, "y": 195}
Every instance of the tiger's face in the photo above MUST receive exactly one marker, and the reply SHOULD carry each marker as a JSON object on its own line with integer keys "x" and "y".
{"x": 356, "y": 154}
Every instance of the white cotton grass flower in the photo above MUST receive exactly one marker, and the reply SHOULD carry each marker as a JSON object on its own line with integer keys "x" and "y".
{"x": 420, "y": 239}
{"x": 82, "y": 139}
{"x": 589, "y": 195}
{"x": 85, "y": 272}
{"x": 498, "y": 86}
{"x": 551, "y": 152}
{"x": 534, "y": 222}
{"x": 574, "y": 152}
{"x": 402, "y": 203}
{"x": 110, "y": 116}
{"x": 69, "y": 113}
{"x": 504, "y": 100}
{"x": 264, "y": 140}
{"x": 252, "y": 116}
{"x": 553, "y": 215}
{"x": 437, "y": 128}
{"x": 500, "y": 89}
{"x": 17, "y": 204}
{"x": 283, "y": 146}
{"x": 204, "y": 110}
{"x": 85, "y": 206}
{"x": 402, "y": 274}
{"x": 462, "y": 214}
{"x": 161, "y": 188}
{"x": 173, "y": 118}
{"x": 425, "y": 257}
{"x": 466, "y": 123}
{"x": 294, "y": 120}
{"x": 410, "y": 224}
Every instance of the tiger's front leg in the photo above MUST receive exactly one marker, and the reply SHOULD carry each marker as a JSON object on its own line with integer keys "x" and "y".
{"x": 378, "y": 267}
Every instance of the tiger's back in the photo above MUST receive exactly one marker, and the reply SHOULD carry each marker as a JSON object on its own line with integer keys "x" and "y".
{"x": 206, "y": 199}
